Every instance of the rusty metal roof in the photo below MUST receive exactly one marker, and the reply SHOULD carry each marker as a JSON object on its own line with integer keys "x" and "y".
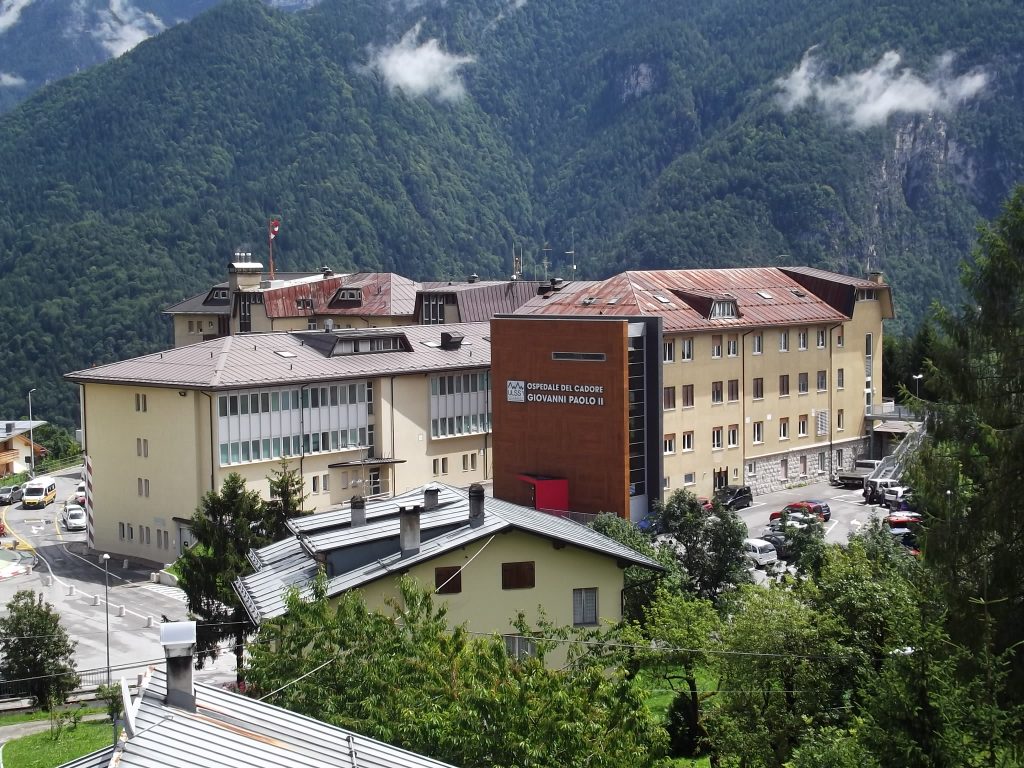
{"x": 480, "y": 301}
{"x": 270, "y": 359}
{"x": 764, "y": 296}
{"x": 382, "y": 294}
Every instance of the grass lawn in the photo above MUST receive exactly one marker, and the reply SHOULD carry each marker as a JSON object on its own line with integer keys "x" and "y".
{"x": 27, "y": 717}
{"x": 658, "y": 701}
{"x": 40, "y": 750}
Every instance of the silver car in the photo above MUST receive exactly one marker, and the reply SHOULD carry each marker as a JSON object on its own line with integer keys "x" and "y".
{"x": 74, "y": 518}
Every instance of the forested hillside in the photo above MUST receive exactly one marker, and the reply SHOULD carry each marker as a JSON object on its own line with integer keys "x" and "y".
{"x": 428, "y": 139}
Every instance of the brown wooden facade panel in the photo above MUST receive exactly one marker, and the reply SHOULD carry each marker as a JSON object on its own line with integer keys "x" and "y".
{"x": 550, "y": 434}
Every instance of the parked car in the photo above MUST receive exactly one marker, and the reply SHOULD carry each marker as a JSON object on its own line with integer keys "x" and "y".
{"x": 779, "y": 540}
{"x": 902, "y": 519}
{"x": 760, "y": 552}
{"x": 706, "y": 503}
{"x": 907, "y": 539}
{"x": 73, "y": 517}
{"x": 735, "y": 496}
{"x": 874, "y": 490}
{"x": 817, "y": 509}
{"x": 10, "y": 494}
{"x": 893, "y": 495}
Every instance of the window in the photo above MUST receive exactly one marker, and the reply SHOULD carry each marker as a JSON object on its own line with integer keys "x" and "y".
{"x": 120, "y": 531}
{"x": 757, "y": 344}
{"x": 440, "y": 466}
{"x": 840, "y": 420}
{"x": 801, "y": 338}
{"x": 669, "y": 398}
{"x": 668, "y": 351}
{"x": 867, "y": 346}
{"x": 784, "y": 469}
{"x": 465, "y": 462}
{"x": 716, "y": 439}
{"x": 142, "y": 447}
{"x": 584, "y": 607}
{"x": 517, "y": 575}
{"x": 324, "y": 483}
{"x": 687, "y": 395}
{"x": 732, "y": 345}
{"x": 803, "y": 466}
{"x": 839, "y": 339}
{"x": 822, "y": 381}
{"x": 784, "y": 385}
{"x": 716, "y": 392}
{"x": 687, "y": 444}
{"x": 751, "y": 467}
{"x": 716, "y": 345}
{"x": 758, "y": 388}
{"x": 472, "y": 462}
{"x": 840, "y": 378}
{"x": 448, "y": 580}
{"x": 316, "y": 484}
{"x": 801, "y": 425}
{"x": 783, "y": 341}
{"x": 519, "y": 647}
{"x": 686, "y": 348}
{"x": 690, "y": 478}
{"x": 669, "y": 444}
{"x": 131, "y": 532}
{"x": 821, "y": 338}
{"x": 802, "y": 384}
{"x": 140, "y": 402}
{"x": 758, "y": 432}
{"x": 821, "y": 462}
{"x": 784, "y": 428}
{"x": 734, "y": 435}
{"x": 191, "y": 326}
{"x": 734, "y": 390}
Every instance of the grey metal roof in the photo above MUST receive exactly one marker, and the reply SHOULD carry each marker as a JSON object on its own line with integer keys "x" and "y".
{"x": 252, "y": 360}
{"x": 229, "y": 730}
{"x": 98, "y": 759}
{"x": 263, "y": 593}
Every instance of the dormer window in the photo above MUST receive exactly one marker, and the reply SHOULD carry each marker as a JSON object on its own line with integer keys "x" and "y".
{"x": 350, "y": 294}
{"x": 303, "y": 303}
{"x": 722, "y": 309}
{"x": 866, "y": 294}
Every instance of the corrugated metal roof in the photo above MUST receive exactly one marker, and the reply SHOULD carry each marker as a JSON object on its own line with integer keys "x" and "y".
{"x": 98, "y": 759}
{"x": 229, "y": 730}
{"x": 263, "y": 593}
{"x": 383, "y": 294}
{"x": 764, "y": 296}
{"x": 251, "y": 360}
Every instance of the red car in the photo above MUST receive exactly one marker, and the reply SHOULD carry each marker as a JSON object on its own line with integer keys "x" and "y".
{"x": 809, "y": 508}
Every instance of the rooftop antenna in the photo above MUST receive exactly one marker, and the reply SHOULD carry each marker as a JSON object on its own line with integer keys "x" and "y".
{"x": 572, "y": 254}
{"x": 517, "y": 263}
{"x": 273, "y": 227}
{"x": 545, "y": 261}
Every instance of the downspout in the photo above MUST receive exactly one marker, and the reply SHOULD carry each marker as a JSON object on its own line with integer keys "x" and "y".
{"x": 213, "y": 465}
{"x": 743, "y": 401}
{"x": 85, "y": 432}
{"x": 302, "y": 436}
{"x": 487, "y": 411}
{"x": 394, "y": 467}
{"x": 831, "y": 389}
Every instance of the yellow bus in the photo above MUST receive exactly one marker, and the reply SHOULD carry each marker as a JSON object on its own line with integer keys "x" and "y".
{"x": 40, "y": 492}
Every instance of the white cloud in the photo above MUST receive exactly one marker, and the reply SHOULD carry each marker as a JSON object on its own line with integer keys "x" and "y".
{"x": 10, "y": 11}
{"x": 122, "y": 26}
{"x": 8, "y": 80}
{"x": 421, "y": 69}
{"x": 867, "y": 98}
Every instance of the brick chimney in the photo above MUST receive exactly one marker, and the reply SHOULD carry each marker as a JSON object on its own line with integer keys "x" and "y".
{"x": 409, "y": 530}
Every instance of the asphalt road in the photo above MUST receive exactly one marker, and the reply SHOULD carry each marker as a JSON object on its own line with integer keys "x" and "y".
{"x": 75, "y": 583}
{"x": 849, "y": 512}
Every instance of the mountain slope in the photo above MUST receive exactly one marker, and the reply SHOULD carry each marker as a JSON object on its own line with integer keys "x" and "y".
{"x": 428, "y": 138}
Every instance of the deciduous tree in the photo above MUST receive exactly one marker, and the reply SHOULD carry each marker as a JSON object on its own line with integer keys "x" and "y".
{"x": 37, "y": 649}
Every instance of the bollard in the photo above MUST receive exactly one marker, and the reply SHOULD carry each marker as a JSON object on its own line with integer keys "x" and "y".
{"x": 95, "y": 599}
{"x": 149, "y": 621}
{"x": 71, "y": 591}
{"x": 46, "y": 581}
{"x": 120, "y": 610}
{"x": 125, "y": 563}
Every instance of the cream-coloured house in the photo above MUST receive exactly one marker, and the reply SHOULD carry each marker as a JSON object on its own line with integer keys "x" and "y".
{"x": 16, "y": 447}
{"x": 770, "y": 376}
{"x": 485, "y": 559}
{"x": 370, "y": 412}
{"x": 251, "y": 302}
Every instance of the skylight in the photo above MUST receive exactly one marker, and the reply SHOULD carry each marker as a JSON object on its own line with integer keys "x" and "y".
{"x": 283, "y": 353}
{"x": 764, "y": 294}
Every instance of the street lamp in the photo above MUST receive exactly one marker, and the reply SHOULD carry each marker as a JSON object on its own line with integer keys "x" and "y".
{"x": 106, "y": 605}
{"x": 31, "y": 439}
{"x": 917, "y": 384}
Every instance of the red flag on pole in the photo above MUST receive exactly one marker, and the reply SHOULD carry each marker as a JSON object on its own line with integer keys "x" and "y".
{"x": 275, "y": 225}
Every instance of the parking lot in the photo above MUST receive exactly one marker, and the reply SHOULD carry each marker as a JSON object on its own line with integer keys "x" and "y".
{"x": 849, "y": 512}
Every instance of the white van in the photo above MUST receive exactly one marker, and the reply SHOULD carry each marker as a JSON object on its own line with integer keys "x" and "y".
{"x": 40, "y": 492}
{"x": 762, "y": 553}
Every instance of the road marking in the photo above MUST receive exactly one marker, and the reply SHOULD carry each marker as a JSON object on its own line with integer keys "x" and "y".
{"x": 831, "y": 527}
{"x": 175, "y": 593}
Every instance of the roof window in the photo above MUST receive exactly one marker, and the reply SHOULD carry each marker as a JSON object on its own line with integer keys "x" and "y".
{"x": 723, "y": 309}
